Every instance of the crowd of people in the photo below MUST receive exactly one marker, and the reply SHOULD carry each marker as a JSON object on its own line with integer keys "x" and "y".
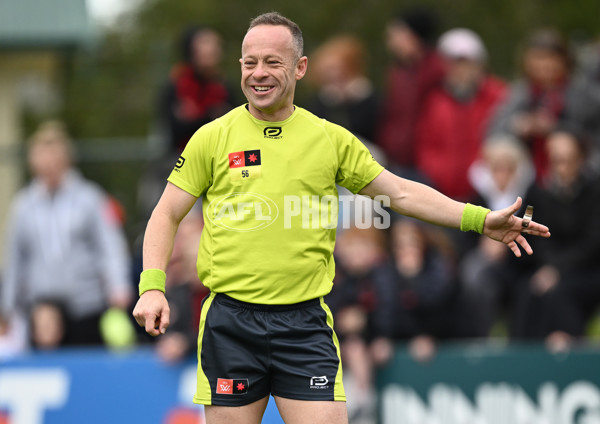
{"x": 441, "y": 117}
{"x": 445, "y": 119}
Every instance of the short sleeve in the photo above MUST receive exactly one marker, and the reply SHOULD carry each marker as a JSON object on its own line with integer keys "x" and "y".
{"x": 357, "y": 167}
{"x": 193, "y": 171}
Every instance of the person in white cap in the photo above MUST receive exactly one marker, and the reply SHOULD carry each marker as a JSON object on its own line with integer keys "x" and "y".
{"x": 454, "y": 119}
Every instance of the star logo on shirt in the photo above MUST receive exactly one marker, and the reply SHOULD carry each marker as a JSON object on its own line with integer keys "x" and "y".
{"x": 252, "y": 157}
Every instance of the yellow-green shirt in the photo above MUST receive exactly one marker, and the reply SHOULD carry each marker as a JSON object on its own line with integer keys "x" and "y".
{"x": 270, "y": 202}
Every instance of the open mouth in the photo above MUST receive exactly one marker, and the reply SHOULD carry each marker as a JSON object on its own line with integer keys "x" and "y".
{"x": 262, "y": 88}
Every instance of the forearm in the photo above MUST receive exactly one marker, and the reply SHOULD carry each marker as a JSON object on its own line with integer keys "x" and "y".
{"x": 158, "y": 240}
{"x": 416, "y": 200}
{"x": 422, "y": 202}
{"x": 427, "y": 204}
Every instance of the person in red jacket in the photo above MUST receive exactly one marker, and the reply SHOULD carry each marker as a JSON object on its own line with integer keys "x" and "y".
{"x": 196, "y": 92}
{"x": 455, "y": 116}
{"x": 416, "y": 69}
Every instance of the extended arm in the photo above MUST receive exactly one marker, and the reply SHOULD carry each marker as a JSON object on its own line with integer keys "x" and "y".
{"x": 152, "y": 310}
{"x": 423, "y": 202}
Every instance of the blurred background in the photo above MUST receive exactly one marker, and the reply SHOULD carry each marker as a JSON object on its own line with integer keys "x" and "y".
{"x": 483, "y": 100}
{"x": 100, "y": 66}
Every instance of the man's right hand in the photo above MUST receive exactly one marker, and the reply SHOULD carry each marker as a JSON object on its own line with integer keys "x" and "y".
{"x": 152, "y": 312}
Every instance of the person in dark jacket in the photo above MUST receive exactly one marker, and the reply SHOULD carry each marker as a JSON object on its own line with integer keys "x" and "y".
{"x": 562, "y": 286}
{"x": 549, "y": 94}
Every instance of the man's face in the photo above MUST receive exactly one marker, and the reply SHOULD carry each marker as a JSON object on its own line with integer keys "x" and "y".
{"x": 207, "y": 51}
{"x": 565, "y": 157}
{"x": 270, "y": 71}
{"x": 49, "y": 162}
{"x": 402, "y": 43}
{"x": 463, "y": 72}
{"x": 545, "y": 67}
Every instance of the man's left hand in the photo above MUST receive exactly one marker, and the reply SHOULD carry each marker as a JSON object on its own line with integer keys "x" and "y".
{"x": 502, "y": 225}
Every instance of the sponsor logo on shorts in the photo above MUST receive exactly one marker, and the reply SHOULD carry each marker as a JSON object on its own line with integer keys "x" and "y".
{"x": 319, "y": 382}
{"x": 228, "y": 386}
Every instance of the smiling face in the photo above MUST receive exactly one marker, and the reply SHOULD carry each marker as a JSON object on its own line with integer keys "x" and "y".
{"x": 270, "y": 69}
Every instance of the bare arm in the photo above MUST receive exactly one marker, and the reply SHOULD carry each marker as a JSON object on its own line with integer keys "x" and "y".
{"x": 172, "y": 207}
{"x": 416, "y": 200}
{"x": 152, "y": 309}
{"x": 423, "y": 202}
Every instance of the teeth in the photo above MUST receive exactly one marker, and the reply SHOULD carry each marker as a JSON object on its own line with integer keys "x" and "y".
{"x": 262, "y": 88}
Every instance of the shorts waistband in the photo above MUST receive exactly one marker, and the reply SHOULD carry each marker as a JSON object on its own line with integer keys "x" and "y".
{"x": 228, "y": 300}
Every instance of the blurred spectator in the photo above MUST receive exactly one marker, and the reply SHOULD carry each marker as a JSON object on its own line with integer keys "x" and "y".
{"x": 184, "y": 292}
{"x": 64, "y": 242}
{"x": 13, "y": 336}
{"x": 416, "y": 69}
{"x": 562, "y": 282}
{"x": 455, "y": 115}
{"x": 362, "y": 311}
{"x": 48, "y": 324}
{"x": 548, "y": 94}
{"x": 345, "y": 95}
{"x": 503, "y": 172}
{"x": 196, "y": 92}
{"x": 424, "y": 292}
{"x": 588, "y": 60}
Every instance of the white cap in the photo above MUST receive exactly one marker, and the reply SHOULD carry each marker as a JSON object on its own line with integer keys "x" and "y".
{"x": 462, "y": 43}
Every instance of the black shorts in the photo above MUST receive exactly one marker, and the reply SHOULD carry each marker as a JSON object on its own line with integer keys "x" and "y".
{"x": 248, "y": 351}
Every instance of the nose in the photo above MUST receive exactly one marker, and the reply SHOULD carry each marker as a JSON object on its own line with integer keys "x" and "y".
{"x": 260, "y": 71}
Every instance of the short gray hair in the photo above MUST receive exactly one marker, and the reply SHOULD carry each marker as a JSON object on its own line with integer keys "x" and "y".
{"x": 276, "y": 19}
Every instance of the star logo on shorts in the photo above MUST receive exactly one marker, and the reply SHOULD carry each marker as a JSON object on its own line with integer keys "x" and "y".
{"x": 230, "y": 386}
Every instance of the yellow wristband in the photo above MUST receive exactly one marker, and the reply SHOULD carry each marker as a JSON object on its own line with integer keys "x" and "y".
{"x": 152, "y": 279}
{"x": 473, "y": 218}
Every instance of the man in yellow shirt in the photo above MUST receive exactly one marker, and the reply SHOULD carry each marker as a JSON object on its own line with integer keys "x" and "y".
{"x": 267, "y": 172}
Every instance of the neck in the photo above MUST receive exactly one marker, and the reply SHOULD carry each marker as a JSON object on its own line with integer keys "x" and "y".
{"x": 275, "y": 116}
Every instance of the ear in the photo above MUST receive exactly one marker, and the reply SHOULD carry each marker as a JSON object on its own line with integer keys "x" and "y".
{"x": 301, "y": 67}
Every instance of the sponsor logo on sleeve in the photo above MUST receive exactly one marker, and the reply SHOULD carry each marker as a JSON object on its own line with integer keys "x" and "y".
{"x": 179, "y": 163}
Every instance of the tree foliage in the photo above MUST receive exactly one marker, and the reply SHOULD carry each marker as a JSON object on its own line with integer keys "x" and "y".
{"x": 112, "y": 90}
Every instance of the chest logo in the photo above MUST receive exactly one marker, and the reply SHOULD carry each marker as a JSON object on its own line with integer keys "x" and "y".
{"x": 245, "y": 165}
{"x": 245, "y": 158}
{"x": 272, "y": 132}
